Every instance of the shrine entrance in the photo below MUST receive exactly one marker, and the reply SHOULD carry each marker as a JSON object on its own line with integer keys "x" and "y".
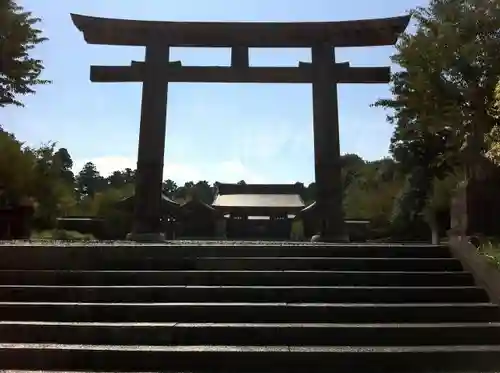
{"x": 156, "y": 71}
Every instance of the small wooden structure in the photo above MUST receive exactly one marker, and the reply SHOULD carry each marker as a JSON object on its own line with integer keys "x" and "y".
{"x": 196, "y": 219}
{"x": 263, "y": 211}
{"x": 15, "y": 218}
{"x": 355, "y": 229}
{"x": 170, "y": 214}
{"x": 15, "y": 222}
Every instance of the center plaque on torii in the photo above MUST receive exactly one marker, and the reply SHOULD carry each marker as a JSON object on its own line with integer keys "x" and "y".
{"x": 156, "y": 71}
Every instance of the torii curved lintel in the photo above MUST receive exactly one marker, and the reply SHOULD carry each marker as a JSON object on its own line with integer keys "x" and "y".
{"x": 368, "y": 32}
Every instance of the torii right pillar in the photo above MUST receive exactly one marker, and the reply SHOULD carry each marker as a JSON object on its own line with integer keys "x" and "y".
{"x": 327, "y": 166}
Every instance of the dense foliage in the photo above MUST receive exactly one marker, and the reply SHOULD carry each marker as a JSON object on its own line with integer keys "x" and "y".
{"x": 450, "y": 67}
{"x": 493, "y": 137}
{"x": 442, "y": 99}
{"x": 47, "y": 176}
{"x": 19, "y": 71}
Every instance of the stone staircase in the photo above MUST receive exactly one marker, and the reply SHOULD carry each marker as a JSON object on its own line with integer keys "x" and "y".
{"x": 243, "y": 307}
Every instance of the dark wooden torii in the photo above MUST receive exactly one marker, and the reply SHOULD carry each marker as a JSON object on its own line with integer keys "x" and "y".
{"x": 156, "y": 71}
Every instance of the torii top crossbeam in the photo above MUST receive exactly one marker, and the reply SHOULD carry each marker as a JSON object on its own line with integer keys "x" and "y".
{"x": 370, "y": 32}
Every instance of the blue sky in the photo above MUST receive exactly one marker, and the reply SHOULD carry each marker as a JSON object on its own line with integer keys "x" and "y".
{"x": 215, "y": 132}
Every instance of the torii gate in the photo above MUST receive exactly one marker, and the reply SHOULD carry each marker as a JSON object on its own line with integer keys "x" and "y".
{"x": 157, "y": 71}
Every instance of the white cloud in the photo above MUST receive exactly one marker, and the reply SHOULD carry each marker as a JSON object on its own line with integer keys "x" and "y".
{"x": 226, "y": 171}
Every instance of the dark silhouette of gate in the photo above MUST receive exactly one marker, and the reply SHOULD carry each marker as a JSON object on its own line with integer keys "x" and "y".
{"x": 156, "y": 71}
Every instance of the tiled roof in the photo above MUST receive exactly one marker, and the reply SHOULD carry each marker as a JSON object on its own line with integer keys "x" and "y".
{"x": 258, "y": 189}
{"x": 259, "y": 200}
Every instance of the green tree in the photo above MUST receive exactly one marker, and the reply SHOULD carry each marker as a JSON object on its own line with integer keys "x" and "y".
{"x": 493, "y": 137}
{"x": 170, "y": 188}
{"x": 51, "y": 186}
{"x": 449, "y": 71}
{"x": 64, "y": 164}
{"x": 352, "y": 166}
{"x": 36, "y": 173}
{"x": 441, "y": 98}
{"x": 16, "y": 166}
{"x": 371, "y": 192}
{"x": 496, "y": 103}
{"x": 439, "y": 201}
{"x": 185, "y": 192}
{"x": 424, "y": 157}
{"x": 104, "y": 202}
{"x": 493, "y": 145}
{"x": 19, "y": 72}
{"x": 407, "y": 213}
{"x": 121, "y": 178}
{"x": 203, "y": 192}
{"x": 89, "y": 181}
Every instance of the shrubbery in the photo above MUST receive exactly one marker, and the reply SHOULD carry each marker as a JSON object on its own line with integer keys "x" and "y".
{"x": 490, "y": 249}
{"x": 62, "y": 235}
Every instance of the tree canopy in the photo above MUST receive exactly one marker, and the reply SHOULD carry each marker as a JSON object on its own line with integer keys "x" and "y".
{"x": 449, "y": 69}
{"x": 19, "y": 71}
{"x": 442, "y": 95}
{"x": 47, "y": 176}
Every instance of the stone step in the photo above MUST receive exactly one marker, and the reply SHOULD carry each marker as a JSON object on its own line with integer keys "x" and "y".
{"x": 66, "y": 254}
{"x": 250, "y": 312}
{"x": 244, "y": 278}
{"x": 248, "y": 263}
{"x": 162, "y": 334}
{"x": 249, "y": 358}
{"x": 253, "y": 294}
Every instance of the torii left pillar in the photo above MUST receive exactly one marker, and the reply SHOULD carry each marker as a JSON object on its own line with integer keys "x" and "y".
{"x": 147, "y": 221}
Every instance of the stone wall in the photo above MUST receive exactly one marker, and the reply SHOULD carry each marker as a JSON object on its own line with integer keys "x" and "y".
{"x": 475, "y": 208}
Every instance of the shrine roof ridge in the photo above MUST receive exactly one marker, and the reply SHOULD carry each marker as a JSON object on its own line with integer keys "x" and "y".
{"x": 227, "y": 188}
{"x": 366, "y": 32}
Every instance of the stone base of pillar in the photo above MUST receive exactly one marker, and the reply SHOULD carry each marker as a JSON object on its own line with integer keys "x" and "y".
{"x": 145, "y": 237}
